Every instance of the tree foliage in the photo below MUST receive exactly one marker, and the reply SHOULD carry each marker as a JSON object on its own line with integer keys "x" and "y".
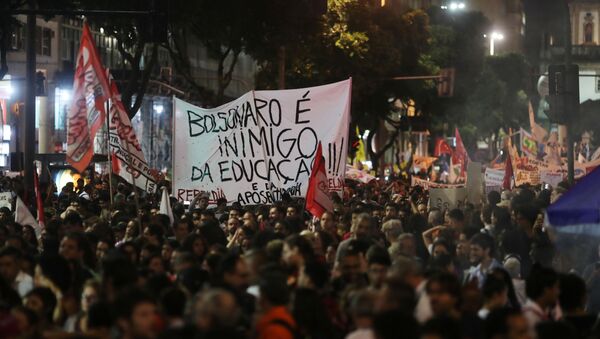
{"x": 134, "y": 44}
{"x": 362, "y": 40}
{"x": 489, "y": 92}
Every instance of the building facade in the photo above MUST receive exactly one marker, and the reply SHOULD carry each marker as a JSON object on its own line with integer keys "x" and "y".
{"x": 585, "y": 38}
{"x": 57, "y": 45}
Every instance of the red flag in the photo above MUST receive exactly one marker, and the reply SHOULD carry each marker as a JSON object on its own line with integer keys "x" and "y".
{"x": 38, "y": 200}
{"x": 460, "y": 155}
{"x": 442, "y": 147}
{"x": 508, "y": 173}
{"x": 87, "y": 112}
{"x": 317, "y": 195}
{"x": 116, "y": 165}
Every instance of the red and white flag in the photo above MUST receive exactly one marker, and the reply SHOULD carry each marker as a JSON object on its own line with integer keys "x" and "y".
{"x": 442, "y": 147}
{"x": 38, "y": 200}
{"x": 508, "y": 173}
{"x": 87, "y": 112}
{"x": 318, "y": 200}
{"x": 127, "y": 157}
{"x": 460, "y": 155}
{"x": 115, "y": 163}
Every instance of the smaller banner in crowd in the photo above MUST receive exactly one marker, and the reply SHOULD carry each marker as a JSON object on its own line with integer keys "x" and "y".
{"x": 529, "y": 146}
{"x": 551, "y": 178}
{"x": 358, "y": 175}
{"x": 426, "y": 184}
{"x": 447, "y": 198}
{"x": 6, "y": 199}
{"x": 493, "y": 177}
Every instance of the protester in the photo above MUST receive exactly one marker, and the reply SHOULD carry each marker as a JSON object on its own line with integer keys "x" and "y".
{"x": 271, "y": 271}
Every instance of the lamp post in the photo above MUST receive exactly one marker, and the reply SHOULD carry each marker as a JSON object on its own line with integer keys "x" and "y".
{"x": 454, "y": 6}
{"x": 495, "y": 36}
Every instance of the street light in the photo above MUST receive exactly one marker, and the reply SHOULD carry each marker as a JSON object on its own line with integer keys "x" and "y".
{"x": 495, "y": 36}
{"x": 454, "y": 6}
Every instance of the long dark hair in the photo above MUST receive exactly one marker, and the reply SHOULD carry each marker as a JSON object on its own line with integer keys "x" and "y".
{"x": 304, "y": 246}
{"x": 309, "y": 312}
{"x": 512, "y": 295}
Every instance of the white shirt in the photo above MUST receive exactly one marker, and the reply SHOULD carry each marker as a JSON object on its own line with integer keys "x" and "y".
{"x": 519, "y": 285}
{"x": 23, "y": 283}
{"x": 423, "y": 310}
{"x": 534, "y": 314}
{"x": 361, "y": 333}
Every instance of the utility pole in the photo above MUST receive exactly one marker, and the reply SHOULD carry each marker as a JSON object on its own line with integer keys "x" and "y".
{"x": 29, "y": 133}
{"x": 569, "y": 103}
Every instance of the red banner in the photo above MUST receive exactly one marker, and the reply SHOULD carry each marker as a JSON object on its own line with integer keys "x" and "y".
{"x": 87, "y": 112}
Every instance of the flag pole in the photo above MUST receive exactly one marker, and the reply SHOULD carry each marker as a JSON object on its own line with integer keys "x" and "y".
{"x": 109, "y": 155}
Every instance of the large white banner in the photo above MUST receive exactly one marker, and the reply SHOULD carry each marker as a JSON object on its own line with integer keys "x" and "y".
{"x": 261, "y": 145}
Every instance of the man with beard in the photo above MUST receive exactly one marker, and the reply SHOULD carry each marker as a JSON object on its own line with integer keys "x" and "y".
{"x": 481, "y": 257}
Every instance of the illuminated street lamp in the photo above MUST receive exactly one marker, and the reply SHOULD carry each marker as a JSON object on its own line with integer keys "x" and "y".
{"x": 454, "y": 6}
{"x": 495, "y": 36}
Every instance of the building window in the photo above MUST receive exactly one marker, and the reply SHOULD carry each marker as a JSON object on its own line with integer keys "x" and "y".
{"x": 43, "y": 38}
{"x": 597, "y": 84}
{"x": 17, "y": 39}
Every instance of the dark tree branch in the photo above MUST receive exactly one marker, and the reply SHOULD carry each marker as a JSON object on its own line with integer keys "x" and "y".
{"x": 144, "y": 82}
{"x": 132, "y": 82}
{"x": 229, "y": 73}
{"x": 181, "y": 64}
{"x": 121, "y": 48}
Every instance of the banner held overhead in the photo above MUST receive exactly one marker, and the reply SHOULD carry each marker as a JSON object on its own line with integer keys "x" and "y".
{"x": 260, "y": 146}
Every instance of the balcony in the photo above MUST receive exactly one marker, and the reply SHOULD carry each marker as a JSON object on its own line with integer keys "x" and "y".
{"x": 578, "y": 52}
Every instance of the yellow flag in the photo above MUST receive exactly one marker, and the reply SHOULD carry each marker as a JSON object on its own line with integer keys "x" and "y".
{"x": 360, "y": 151}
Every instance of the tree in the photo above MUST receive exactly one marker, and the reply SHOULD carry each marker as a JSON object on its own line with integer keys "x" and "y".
{"x": 134, "y": 43}
{"x": 371, "y": 44}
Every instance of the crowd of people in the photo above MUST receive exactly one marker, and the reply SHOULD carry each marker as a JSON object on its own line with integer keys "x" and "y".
{"x": 383, "y": 264}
